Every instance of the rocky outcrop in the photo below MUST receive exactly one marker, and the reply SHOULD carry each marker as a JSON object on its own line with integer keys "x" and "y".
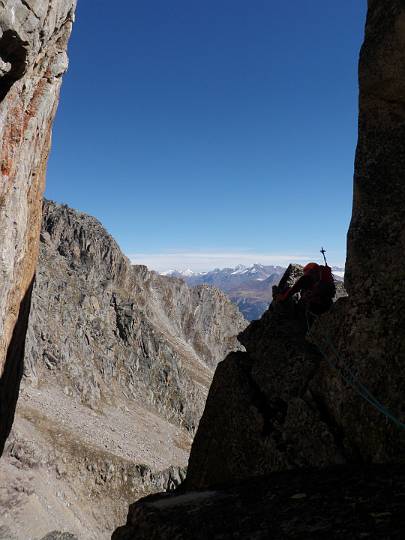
{"x": 338, "y": 503}
{"x": 33, "y": 41}
{"x": 137, "y": 334}
{"x": 368, "y": 328}
{"x": 376, "y": 236}
{"x": 118, "y": 362}
{"x": 264, "y": 412}
{"x": 295, "y": 398}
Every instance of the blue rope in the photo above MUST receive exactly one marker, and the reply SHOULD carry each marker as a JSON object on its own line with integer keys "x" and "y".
{"x": 350, "y": 378}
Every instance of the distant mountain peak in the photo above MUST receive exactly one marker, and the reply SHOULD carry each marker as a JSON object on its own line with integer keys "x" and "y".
{"x": 249, "y": 287}
{"x": 180, "y": 273}
{"x": 240, "y": 269}
{"x": 187, "y": 272}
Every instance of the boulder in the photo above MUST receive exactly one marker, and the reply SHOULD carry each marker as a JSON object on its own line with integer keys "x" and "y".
{"x": 339, "y": 502}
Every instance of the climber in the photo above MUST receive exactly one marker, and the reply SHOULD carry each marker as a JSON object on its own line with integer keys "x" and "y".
{"x": 316, "y": 288}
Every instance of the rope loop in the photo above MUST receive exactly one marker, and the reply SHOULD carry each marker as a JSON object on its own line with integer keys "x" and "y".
{"x": 348, "y": 374}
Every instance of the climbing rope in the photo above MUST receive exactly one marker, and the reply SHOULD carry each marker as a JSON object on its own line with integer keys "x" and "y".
{"x": 348, "y": 375}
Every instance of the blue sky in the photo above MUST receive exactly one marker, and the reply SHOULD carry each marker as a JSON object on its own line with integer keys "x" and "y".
{"x": 207, "y": 133}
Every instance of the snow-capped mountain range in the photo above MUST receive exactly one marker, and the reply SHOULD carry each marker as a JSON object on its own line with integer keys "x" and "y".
{"x": 256, "y": 271}
{"x": 250, "y": 287}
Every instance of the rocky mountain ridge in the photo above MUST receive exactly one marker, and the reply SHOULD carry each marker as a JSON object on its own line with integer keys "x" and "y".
{"x": 133, "y": 316}
{"x": 118, "y": 362}
{"x": 257, "y": 270}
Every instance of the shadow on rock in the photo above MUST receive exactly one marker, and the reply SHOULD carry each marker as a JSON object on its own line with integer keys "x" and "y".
{"x": 13, "y": 370}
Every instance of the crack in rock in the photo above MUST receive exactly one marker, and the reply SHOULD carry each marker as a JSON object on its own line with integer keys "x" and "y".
{"x": 13, "y": 60}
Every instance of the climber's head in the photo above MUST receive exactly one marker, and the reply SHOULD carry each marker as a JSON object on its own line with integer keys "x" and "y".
{"x": 310, "y": 268}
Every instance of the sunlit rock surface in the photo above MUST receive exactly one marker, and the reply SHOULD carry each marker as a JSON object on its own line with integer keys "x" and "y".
{"x": 33, "y": 42}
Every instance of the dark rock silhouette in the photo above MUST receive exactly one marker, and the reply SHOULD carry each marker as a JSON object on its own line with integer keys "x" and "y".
{"x": 263, "y": 412}
{"x": 13, "y": 370}
{"x": 337, "y": 503}
{"x": 286, "y": 403}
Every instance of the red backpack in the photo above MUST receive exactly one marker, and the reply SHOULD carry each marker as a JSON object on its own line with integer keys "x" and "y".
{"x": 324, "y": 289}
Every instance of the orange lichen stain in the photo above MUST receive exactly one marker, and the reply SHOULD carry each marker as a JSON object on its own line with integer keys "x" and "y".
{"x": 32, "y": 109}
{"x": 11, "y": 139}
{"x": 5, "y": 167}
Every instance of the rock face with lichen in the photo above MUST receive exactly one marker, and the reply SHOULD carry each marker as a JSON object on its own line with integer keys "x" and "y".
{"x": 33, "y": 42}
{"x": 118, "y": 362}
{"x": 295, "y": 399}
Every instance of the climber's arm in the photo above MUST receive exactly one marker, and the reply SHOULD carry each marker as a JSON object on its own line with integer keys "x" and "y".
{"x": 301, "y": 283}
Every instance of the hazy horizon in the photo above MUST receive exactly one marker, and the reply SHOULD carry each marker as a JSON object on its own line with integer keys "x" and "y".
{"x": 206, "y": 261}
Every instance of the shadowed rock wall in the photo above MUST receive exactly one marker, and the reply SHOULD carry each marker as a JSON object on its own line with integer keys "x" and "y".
{"x": 367, "y": 329}
{"x": 265, "y": 412}
{"x": 33, "y": 41}
{"x": 285, "y": 404}
{"x": 376, "y": 239}
{"x": 336, "y": 503}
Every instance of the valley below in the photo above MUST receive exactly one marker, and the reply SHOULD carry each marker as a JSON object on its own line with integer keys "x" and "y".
{"x": 118, "y": 363}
